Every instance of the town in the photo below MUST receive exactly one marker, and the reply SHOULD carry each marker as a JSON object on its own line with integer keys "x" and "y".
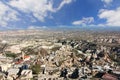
{"x": 59, "y": 55}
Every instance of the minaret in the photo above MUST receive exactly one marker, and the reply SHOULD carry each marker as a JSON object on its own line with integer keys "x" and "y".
{"x": 23, "y": 55}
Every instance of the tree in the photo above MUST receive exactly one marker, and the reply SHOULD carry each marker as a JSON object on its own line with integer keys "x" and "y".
{"x": 55, "y": 48}
{"x": 3, "y": 46}
{"x": 9, "y": 54}
{"x": 35, "y": 68}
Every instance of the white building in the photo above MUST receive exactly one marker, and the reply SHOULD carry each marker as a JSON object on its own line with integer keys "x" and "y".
{"x": 26, "y": 75}
{"x": 4, "y": 67}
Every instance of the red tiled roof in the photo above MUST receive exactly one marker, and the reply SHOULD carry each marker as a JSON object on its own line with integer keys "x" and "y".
{"x": 18, "y": 62}
{"x": 109, "y": 77}
{"x": 26, "y": 57}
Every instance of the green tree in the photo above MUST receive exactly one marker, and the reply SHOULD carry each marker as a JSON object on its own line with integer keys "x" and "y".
{"x": 9, "y": 54}
{"x": 35, "y": 68}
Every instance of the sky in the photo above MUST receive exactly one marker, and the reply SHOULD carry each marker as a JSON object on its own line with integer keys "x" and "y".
{"x": 41, "y": 14}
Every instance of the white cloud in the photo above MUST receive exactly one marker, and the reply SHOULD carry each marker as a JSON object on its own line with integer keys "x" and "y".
{"x": 63, "y": 3}
{"x": 84, "y": 21}
{"x": 98, "y": 25}
{"x": 37, "y": 27}
{"x": 6, "y": 15}
{"x": 107, "y": 1}
{"x": 112, "y": 17}
{"x": 38, "y": 8}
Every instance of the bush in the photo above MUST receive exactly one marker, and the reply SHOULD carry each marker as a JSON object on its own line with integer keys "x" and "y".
{"x": 55, "y": 48}
{"x": 9, "y": 54}
{"x": 36, "y": 68}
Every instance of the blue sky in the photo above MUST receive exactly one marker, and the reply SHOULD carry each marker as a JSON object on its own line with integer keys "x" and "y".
{"x": 32, "y": 14}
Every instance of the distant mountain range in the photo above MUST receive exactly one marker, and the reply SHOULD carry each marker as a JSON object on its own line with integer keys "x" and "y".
{"x": 78, "y": 28}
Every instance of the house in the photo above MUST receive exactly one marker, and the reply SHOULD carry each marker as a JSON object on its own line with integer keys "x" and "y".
{"x": 107, "y": 67}
{"x": 5, "y": 59}
{"x": 14, "y": 49}
{"x": 4, "y": 67}
{"x": 109, "y": 77}
{"x": 97, "y": 68}
{"x": 26, "y": 74}
{"x": 24, "y": 58}
{"x": 2, "y": 76}
{"x": 116, "y": 72}
{"x": 12, "y": 73}
{"x": 18, "y": 65}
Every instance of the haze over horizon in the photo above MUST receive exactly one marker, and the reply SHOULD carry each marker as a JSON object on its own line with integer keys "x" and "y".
{"x": 44, "y": 14}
